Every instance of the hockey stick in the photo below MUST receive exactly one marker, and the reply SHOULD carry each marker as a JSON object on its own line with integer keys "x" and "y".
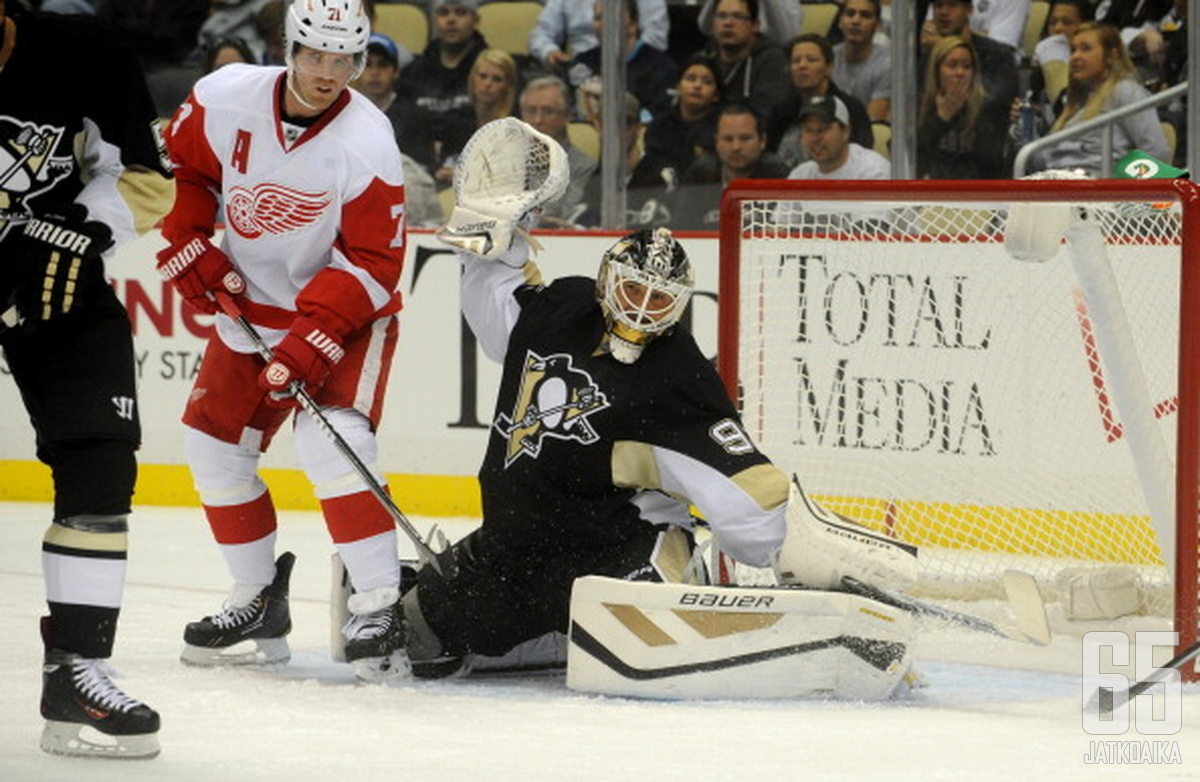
{"x": 1108, "y": 699}
{"x": 443, "y": 563}
{"x": 1023, "y": 599}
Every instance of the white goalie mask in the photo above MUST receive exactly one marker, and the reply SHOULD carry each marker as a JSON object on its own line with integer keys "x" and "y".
{"x": 336, "y": 26}
{"x": 644, "y": 286}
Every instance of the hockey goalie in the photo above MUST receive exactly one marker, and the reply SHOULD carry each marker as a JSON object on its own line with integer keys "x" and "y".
{"x": 610, "y": 424}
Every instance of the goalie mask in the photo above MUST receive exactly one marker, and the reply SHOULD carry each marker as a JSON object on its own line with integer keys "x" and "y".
{"x": 644, "y": 285}
{"x": 335, "y": 26}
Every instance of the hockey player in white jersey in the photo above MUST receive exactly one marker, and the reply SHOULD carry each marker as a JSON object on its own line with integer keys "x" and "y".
{"x": 307, "y": 177}
{"x": 609, "y": 423}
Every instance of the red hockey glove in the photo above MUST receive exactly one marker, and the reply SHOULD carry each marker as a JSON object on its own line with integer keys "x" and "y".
{"x": 56, "y": 258}
{"x": 303, "y": 358}
{"x": 196, "y": 267}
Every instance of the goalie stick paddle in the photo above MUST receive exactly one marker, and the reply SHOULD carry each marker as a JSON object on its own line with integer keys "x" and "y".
{"x": 442, "y": 562}
{"x": 1024, "y": 599}
{"x": 1107, "y": 699}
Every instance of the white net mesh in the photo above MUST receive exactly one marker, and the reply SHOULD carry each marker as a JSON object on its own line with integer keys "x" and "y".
{"x": 923, "y": 381}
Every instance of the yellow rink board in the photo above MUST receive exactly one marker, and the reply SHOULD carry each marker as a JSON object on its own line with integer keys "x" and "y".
{"x": 945, "y": 525}
{"x": 160, "y": 484}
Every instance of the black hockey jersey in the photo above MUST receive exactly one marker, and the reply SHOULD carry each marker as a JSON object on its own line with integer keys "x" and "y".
{"x": 75, "y": 118}
{"x": 584, "y": 447}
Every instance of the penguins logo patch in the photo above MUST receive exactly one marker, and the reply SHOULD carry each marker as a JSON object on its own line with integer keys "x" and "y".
{"x": 554, "y": 400}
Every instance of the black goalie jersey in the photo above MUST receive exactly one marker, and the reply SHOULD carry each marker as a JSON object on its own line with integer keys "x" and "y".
{"x": 582, "y": 447}
{"x": 98, "y": 126}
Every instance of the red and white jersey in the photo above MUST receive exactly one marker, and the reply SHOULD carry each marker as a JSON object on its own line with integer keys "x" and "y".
{"x": 314, "y": 216}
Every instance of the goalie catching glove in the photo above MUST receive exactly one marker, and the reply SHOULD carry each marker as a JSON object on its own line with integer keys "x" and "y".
{"x": 302, "y": 360}
{"x": 195, "y": 268}
{"x": 505, "y": 174}
{"x": 57, "y": 256}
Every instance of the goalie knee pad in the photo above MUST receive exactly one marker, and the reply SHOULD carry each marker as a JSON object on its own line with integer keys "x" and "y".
{"x": 821, "y": 548}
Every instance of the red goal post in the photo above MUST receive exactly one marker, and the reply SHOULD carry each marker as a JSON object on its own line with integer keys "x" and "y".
{"x": 881, "y": 342}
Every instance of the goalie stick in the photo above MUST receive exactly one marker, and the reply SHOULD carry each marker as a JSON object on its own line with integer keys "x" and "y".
{"x": 1023, "y": 598}
{"x": 1108, "y": 699}
{"x": 442, "y": 562}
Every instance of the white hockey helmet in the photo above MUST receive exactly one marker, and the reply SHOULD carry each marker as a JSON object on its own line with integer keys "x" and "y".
{"x": 338, "y": 26}
{"x": 644, "y": 285}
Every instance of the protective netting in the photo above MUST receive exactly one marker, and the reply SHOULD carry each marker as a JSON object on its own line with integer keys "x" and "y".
{"x": 922, "y": 380}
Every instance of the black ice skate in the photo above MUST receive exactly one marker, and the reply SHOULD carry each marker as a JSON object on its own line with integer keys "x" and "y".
{"x": 255, "y": 634}
{"x": 89, "y": 716}
{"x": 375, "y": 644}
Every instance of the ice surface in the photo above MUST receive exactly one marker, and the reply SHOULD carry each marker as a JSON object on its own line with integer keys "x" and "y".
{"x": 310, "y": 721}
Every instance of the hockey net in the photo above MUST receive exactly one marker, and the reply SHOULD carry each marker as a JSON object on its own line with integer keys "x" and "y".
{"x": 883, "y": 344}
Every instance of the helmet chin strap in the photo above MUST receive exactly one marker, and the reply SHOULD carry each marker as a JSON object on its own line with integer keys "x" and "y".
{"x": 291, "y": 86}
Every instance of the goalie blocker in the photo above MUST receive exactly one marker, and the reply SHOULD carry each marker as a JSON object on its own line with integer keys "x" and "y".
{"x": 680, "y": 641}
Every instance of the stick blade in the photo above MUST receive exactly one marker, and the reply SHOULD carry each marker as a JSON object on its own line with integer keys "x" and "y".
{"x": 1026, "y": 602}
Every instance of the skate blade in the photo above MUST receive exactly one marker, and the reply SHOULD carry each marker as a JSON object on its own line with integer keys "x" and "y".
{"x": 257, "y": 651}
{"x": 383, "y": 670}
{"x": 72, "y": 739}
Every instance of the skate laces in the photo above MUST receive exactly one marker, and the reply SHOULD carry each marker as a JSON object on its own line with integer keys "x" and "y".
{"x": 232, "y": 617}
{"x": 94, "y": 678}
{"x": 371, "y": 625}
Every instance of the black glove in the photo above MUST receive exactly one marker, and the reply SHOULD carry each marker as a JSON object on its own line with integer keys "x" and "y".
{"x": 57, "y": 256}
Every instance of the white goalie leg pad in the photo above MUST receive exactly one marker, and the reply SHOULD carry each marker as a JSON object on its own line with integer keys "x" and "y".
{"x": 822, "y": 547}
{"x": 679, "y": 641}
{"x": 1100, "y": 593}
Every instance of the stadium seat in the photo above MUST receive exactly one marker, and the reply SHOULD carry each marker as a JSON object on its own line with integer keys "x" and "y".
{"x": 585, "y": 136}
{"x": 883, "y": 138}
{"x": 1055, "y": 77}
{"x": 1034, "y": 24}
{"x": 1172, "y": 140}
{"x": 506, "y": 25}
{"x": 404, "y": 23}
{"x": 818, "y": 17}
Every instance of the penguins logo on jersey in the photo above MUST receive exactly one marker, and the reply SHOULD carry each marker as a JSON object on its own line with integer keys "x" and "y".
{"x": 554, "y": 400}
{"x": 27, "y": 167}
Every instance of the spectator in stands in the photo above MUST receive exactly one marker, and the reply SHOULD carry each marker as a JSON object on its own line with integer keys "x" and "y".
{"x": 564, "y": 30}
{"x": 1140, "y": 24}
{"x": 378, "y": 82}
{"x": 811, "y": 64}
{"x": 270, "y": 28}
{"x": 753, "y": 69}
{"x": 863, "y": 66}
{"x": 436, "y": 109}
{"x": 645, "y": 191}
{"x": 1102, "y": 79}
{"x": 545, "y": 104}
{"x": 961, "y": 134}
{"x": 778, "y": 20}
{"x": 1001, "y": 20}
{"x": 403, "y": 56}
{"x": 1047, "y": 80}
{"x": 492, "y": 87}
{"x": 688, "y": 130}
{"x": 996, "y": 60}
{"x": 165, "y": 36}
{"x": 228, "y": 51}
{"x": 741, "y": 154}
{"x": 650, "y": 73}
{"x": 233, "y": 20}
{"x": 825, "y": 132}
